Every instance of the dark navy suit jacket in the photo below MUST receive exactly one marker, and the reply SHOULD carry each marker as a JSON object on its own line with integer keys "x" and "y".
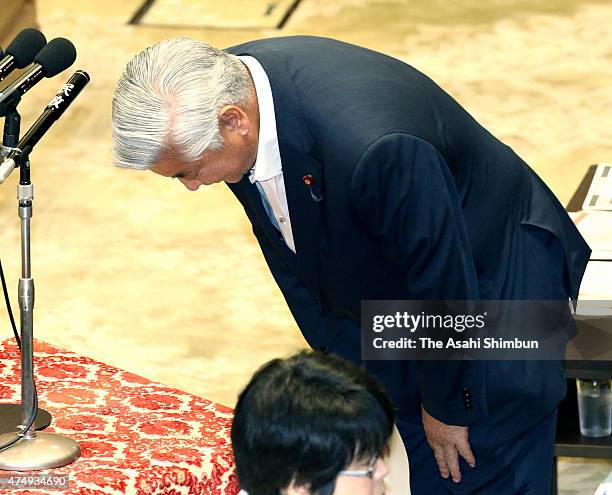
{"x": 409, "y": 198}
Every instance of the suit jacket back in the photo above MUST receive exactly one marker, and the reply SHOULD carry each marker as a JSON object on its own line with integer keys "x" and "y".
{"x": 333, "y": 100}
{"x": 410, "y": 198}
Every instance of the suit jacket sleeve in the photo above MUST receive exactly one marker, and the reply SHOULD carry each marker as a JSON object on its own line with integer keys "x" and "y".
{"x": 403, "y": 192}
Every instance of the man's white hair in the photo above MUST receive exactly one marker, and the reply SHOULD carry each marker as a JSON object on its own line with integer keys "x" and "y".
{"x": 168, "y": 98}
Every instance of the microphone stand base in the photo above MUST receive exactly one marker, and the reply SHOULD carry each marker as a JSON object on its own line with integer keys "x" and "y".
{"x": 42, "y": 451}
{"x": 11, "y": 418}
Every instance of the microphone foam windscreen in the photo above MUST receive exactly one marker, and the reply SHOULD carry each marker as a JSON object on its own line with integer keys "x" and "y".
{"x": 57, "y": 56}
{"x": 25, "y": 46}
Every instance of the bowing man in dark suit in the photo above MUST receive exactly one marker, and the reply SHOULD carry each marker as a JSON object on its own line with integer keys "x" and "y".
{"x": 364, "y": 180}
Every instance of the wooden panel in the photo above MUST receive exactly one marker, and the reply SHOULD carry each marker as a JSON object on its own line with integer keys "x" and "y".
{"x": 16, "y": 15}
{"x": 10, "y": 10}
{"x": 265, "y": 14}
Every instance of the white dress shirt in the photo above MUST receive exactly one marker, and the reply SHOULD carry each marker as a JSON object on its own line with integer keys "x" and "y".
{"x": 267, "y": 173}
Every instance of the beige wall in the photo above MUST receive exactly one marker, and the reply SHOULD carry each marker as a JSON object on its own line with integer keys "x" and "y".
{"x": 16, "y": 15}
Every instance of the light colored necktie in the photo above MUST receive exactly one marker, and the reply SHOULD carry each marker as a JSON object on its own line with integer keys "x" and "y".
{"x": 269, "y": 193}
{"x": 267, "y": 207}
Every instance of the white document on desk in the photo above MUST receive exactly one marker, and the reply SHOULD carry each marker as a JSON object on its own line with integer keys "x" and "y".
{"x": 606, "y": 487}
{"x": 596, "y": 284}
{"x": 596, "y": 228}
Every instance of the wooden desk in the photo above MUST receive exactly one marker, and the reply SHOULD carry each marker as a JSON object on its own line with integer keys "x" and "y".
{"x": 569, "y": 441}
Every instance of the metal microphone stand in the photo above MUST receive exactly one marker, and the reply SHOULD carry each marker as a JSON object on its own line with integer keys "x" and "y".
{"x": 34, "y": 450}
{"x": 10, "y": 414}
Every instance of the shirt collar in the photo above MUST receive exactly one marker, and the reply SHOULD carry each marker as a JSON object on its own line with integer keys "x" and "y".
{"x": 268, "y": 163}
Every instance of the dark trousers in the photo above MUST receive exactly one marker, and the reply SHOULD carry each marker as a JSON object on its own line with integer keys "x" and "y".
{"x": 520, "y": 466}
{"x": 514, "y": 449}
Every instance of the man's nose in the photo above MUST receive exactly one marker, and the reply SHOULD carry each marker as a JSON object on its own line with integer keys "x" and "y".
{"x": 192, "y": 185}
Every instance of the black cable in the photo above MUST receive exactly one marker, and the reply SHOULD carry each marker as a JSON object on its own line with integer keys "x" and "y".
{"x": 32, "y": 417}
{"x": 11, "y": 127}
{"x": 31, "y": 420}
{"x": 8, "y": 307}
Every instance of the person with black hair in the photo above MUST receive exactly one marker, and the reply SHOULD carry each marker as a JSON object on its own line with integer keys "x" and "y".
{"x": 312, "y": 424}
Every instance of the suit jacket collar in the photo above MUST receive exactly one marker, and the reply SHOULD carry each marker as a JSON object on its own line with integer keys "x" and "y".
{"x": 268, "y": 163}
{"x": 289, "y": 120}
{"x": 295, "y": 143}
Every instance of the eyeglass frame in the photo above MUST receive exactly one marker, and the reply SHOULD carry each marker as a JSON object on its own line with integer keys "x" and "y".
{"x": 365, "y": 473}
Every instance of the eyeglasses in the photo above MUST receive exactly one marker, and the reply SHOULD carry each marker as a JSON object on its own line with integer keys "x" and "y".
{"x": 366, "y": 473}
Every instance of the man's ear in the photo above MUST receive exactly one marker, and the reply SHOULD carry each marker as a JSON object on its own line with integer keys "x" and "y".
{"x": 234, "y": 118}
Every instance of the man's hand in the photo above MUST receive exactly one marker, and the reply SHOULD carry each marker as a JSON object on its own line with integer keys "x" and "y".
{"x": 448, "y": 442}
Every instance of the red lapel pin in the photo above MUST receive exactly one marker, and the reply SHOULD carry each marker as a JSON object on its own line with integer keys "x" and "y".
{"x": 309, "y": 181}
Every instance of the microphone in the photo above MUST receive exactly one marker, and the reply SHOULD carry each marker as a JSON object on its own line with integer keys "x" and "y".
{"x": 57, "y": 56}
{"x": 21, "y": 51}
{"x": 56, "y": 107}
